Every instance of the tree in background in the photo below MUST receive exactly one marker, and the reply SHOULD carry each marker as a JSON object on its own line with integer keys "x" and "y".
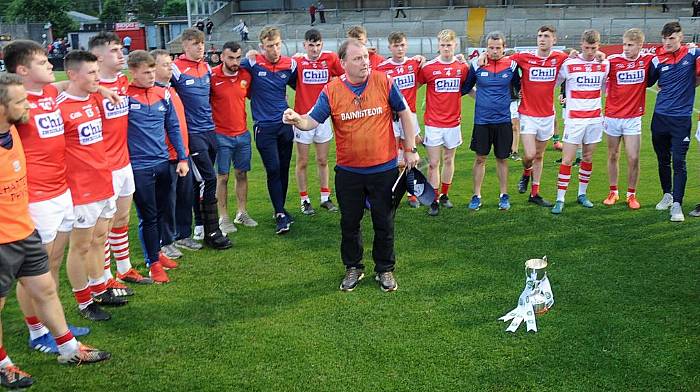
{"x": 174, "y": 8}
{"x": 42, "y": 11}
{"x": 113, "y": 11}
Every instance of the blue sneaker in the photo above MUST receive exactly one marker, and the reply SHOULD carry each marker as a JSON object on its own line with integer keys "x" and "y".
{"x": 282, "y": 224}
{"x": 583, "y": 200}
{"x": 558, "y": 207}
{"x": 475, "y": 203}
{"x": 504, "y": 202}
{"x": 78, "y": 331}
{"x": 44, "y": 343}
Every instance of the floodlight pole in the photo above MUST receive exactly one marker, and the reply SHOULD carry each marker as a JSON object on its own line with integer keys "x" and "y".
{"x": 189, "y": 14}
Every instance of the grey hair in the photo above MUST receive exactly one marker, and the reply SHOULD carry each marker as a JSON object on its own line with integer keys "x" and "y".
{"x": 7, "y": 80}
{"x": 496, "y": 36}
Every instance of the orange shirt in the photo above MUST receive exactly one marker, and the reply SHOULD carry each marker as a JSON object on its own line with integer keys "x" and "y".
{"x": 227, "y": 99}
{"x": 115, "y": 121}
{"x": 44, "y": 146}
{"x": 15, "y": 222}
{"x": 364, "y": 135}
{"x": 180, "y": 111}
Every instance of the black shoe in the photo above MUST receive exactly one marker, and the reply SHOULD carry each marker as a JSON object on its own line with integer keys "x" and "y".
{"x": 328, "y": 204}
{"x": 540, "y": 201}
{"x": 216, "y": 240}
{"x": 306, "y": 208}
{"x": 577, "y": 162}
{"x": 94, "y": 312}
{"x": 290, "y": 218}
{"x": 445, "y": 201}
{"x": 523, "y": 183}
{"x": 353, "y": 276}
{"x": 558, "y": 161}
{"x": 283, "y": 224}
{"x": 434, "y": 209}
{"x": 108, "y": 299}
{"x": 12, "y": 377}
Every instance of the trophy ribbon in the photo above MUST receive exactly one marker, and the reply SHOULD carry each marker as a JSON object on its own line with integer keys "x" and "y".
{"x": 524, "y": 311}
{"x": 546, "y": 289}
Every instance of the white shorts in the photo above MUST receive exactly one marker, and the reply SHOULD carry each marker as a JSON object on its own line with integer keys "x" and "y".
{"x": 86, "y": 215}
{"x": 323, "y": 133}
{"x": 123, "y": 182}
{"x": 53, "y": 215}
{"x": 514, "y": 105}
{"x": 541, "y": 127}
{"x": 577, "y": 133}
{"x": 398, "y": 129}
{"x": 697, "y": 132}
{"x": 446, "y": 137}
{"x": 623, "y": 126}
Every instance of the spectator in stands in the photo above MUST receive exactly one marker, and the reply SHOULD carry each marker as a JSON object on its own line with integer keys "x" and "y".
{"x": 126, "y": 41}
{"x": 312, "y": 12}
{"x": 209, "y": 27}
{"x": 321, "y": 11}
{"x": 399, "y": 4}
{"x": 200, "y": 25}
{"x": 696, "y": 8}
{"x": 242, "y": 29}
{"x": 664, "y": 5}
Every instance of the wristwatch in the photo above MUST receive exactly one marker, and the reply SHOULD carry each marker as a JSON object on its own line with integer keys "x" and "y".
{"x": 414, "y": 149}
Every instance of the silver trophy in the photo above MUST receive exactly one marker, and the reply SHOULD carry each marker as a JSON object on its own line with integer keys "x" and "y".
{"x": 535, "y": 273}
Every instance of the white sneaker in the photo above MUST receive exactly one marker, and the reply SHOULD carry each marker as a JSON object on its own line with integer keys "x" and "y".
{"x": 226, "y": 226}
{"x": 198, "y": 233}
{"x": 677, "y": 212}
{"x": 242, "y": 218}
{"x": 665, "y": 202}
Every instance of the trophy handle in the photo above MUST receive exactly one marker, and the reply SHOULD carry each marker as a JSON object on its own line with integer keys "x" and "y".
{"x": 544, "y": 258}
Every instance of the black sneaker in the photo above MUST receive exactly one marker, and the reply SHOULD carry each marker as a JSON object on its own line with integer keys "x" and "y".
{"x": 353, "y": 276}
{"x": 558, "y": 160}
{"x": 540, "y": 201}
{"x": 108, "y": 299}
{"x": 328, "y": 204}
{"x": 523, "y": 183}
{"x": 306, "y": 208}
{"x": 12, "y": 377}
{"x": 696, "y": 212}
{"x": 577, "y": 162}
{"x": 217, "y": 240}
{"x": 290, "y": 218}
{"x": 386, "y": 281}
{"x": 434, "y": 209}
{"x": 282, "y": 224}
{"x": 94, "y": 312}
{"x": 445, "y": 201}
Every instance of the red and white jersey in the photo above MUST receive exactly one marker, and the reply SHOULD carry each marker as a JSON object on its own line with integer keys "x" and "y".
{"x": 584, "y": 81}
{"x": 88, "y": 173}
{"x": 44, "y": 146}
{"x": 405, "y": 75}
{"x": 115, "y": 120}
{"x": 538, "y": 81}
{"x": 312, "y": 75}
{"x": 375, "y": 59}
{"x": 627, "y": 84}
{"x": 443, "y": 96}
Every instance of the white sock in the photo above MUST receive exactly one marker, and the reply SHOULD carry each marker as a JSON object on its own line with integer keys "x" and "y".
{"x": 68, "y": 348}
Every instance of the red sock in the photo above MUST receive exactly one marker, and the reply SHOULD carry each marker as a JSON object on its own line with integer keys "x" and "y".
{"x": 535, "y": 190}
{"x": 445, "y": 188}
{"x": 527, "y": 172}
{"x": 33, "y": 322}
{"x": 83, "y": 296}
{"x": 437, "y": 195}
{"x": 98, "y": 287}
{"x": 613, "y": 188}
{"x": 3, "y": 353}
{"x": 631, "y": 191}
{"x": 65, "y": 338}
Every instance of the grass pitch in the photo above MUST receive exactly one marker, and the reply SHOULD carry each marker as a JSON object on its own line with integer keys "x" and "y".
{"x": 267, "y": 315}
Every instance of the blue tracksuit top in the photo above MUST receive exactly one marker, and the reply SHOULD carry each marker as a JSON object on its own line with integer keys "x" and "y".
{"x": 675, "y": 73}
{"x": 151, "y": 115}
{"x": 494, "y": 82}
{"x": 192, "y": 79}
{"x": 268, "y": 89}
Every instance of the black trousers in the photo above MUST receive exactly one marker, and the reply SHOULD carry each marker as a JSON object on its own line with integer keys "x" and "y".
{"x": 351, "y": 189}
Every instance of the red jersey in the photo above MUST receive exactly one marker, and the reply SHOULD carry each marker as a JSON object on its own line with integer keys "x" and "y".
{"x": 44, "y": 146}
{"x": 627, "y": 84}
{"x": 180, "y": 111}
{"x": 15, "y": 222}
{"x": 312, "y": 75}
{"x": 227, "y": 99}
{"x": 115, "y": 120}
{"x": 375, "y": 59}
{"x": 88, "y": 172}
{"x": 443, "y": 98}
{"x": 405, "y": 75}
{"x": 538, "y": 80}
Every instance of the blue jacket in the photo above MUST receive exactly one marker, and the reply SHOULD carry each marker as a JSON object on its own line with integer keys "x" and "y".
{"x": 151, "y": 115}
{"x": 268, "y": 89}
{"x": 192, "y": 79}
{"x": 675, "y": 73}
{"x": 494, "y": 83}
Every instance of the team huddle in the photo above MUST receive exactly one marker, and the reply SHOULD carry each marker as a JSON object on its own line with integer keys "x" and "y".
{"x": 77, "y": 154}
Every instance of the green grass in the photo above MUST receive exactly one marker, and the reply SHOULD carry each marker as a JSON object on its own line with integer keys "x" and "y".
{"x": 267, "y": 315}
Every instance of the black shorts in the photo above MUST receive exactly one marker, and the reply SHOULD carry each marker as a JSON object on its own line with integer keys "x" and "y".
{"x": 25, "y": 257}
{"x": 500, "y": 136}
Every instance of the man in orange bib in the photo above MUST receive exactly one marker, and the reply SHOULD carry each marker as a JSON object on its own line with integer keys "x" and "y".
{"x": 360, "y": 104}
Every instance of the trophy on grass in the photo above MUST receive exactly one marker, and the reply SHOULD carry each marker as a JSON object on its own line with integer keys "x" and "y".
{"x": 536, "y": 299}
